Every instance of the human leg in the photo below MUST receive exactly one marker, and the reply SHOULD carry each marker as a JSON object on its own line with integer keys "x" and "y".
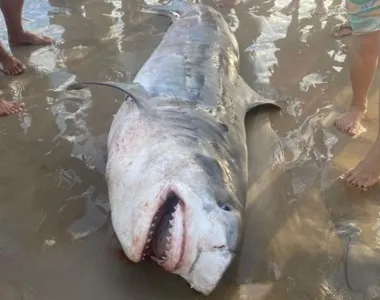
{"x": 364, "y": 58}
{"x": 12, "y": 11}
{"x": 367, "y": 172}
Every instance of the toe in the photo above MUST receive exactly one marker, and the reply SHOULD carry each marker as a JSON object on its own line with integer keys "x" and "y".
{"x": 341, "y": 127}
{"x": 346, "y": 128}
{"x": 372, "y": 180}
{"x": 359, "y": 183}
{"x": 17, "y": 70}
{"x": 18, "y": 106}
{"x": 345, "y": 176}
{"x": 48, "y": 39}
{"x": 21, "y": 66}
{"x": 43, "y": 40}
{"x": 351, "y": 131}
{"x": 364, "y": 187}
{"x": 350, "y": 178}
{"x": 342, "y": 178}
{"x": 337, "y": 125}
{"x": 352, "y": 181}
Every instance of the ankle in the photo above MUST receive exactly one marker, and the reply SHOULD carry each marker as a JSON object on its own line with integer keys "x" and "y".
{"x": 4, "y": 53}
{"x": 360, "y": 108}
{"x": 15, "y": 34}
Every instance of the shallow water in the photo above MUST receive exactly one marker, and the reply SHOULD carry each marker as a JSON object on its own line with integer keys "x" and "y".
{"x": 56, "y": 240}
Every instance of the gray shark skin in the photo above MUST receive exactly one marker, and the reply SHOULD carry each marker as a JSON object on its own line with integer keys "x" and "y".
{"x": 177, "y": 154}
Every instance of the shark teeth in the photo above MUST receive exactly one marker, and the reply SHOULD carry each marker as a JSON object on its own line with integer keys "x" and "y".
{"x": 157, "y": 220}
{"x": 169, "y": 237}
{"x": 159, "y": 260}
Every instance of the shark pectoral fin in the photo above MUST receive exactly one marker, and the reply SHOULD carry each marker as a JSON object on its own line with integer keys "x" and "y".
{"x": 253, "y": 99}
{"x": 134, "y": 90}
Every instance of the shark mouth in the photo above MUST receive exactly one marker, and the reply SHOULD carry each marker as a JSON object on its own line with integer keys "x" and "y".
{"x": 166, "y": 237}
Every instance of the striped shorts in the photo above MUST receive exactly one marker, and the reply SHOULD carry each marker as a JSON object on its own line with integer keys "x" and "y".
{"x": 363, "y": 15}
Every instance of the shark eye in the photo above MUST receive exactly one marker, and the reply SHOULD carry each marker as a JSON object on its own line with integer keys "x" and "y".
{"x": 225, "y": 207}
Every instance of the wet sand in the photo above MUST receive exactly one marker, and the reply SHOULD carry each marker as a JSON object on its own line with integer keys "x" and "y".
{"x": 305, "y": 234}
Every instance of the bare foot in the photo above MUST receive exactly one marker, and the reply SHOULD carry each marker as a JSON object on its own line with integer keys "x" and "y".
{"x": 351, "y": 121}
{"x": 28, "y": 38}
{"x": 342, "y": 30}
{"x": 367, "y": 172}
{"x": 9, "y": 108}
{"x": 11, "y": 65}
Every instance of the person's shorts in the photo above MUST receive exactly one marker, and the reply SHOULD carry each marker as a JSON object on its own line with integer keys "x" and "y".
{"x": 363, "y": 15}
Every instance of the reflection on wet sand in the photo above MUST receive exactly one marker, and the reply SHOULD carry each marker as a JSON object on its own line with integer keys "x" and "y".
{"x": 306, "y": 236}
